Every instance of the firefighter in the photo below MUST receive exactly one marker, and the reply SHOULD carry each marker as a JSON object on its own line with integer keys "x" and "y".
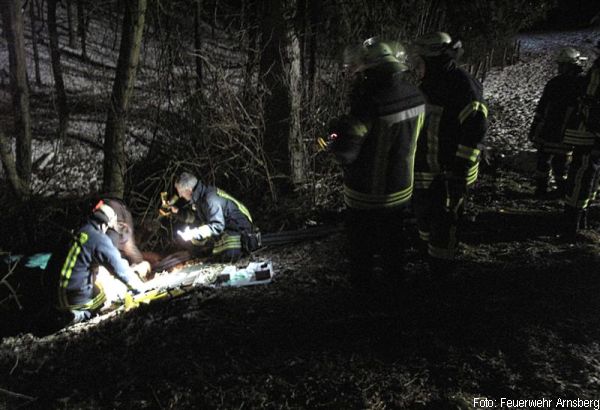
{"x": 375, "y": 143}
{"x": 448, "y": 152}
{"x": 583, "y": 133}
{"x": 223, "y": 225}
{"x": 75, "y": 269}
{"x": 558, "y": 102}
{"x": 124, "y": 237}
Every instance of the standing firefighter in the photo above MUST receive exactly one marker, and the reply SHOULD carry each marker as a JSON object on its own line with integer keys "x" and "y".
{"x": 558, "y": 102}
{"x": 224, "y": 225}
{"x": 447, "y": 159}
{"x": 376, "y": 145}
{"x": 584, "y": 133}
{"x": 78, "y": 290}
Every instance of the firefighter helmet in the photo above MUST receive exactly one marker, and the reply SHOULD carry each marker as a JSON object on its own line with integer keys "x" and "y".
{"x": 569, "y": 55}
{"x": 105, "y": 214}
{"x": 373, "y": 52}
{"x": 434, "y": 44}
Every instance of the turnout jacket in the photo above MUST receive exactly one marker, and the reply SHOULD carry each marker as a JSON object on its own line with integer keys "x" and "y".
{"x": 455, "y": 125}
{"x": 90, "y": 247}
{"x": 556, "y": 106}
{"x": 376, "y": 142}
{"x": 219, "y": 212}
{"x": 586, "y": 123}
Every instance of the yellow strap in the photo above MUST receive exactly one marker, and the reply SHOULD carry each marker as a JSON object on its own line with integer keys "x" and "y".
{"x": 473, "y": 106}
{"x": 67, "y": 269}
{"x": 468, "y": 153}
{"x": 361, "y": 200}
{"x": 240, "y": 205}
{"x": 132, "y": 302}
{"x": 227, "y": 242}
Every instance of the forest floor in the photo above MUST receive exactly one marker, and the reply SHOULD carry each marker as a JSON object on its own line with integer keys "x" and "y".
{"x": 518, "y": 319}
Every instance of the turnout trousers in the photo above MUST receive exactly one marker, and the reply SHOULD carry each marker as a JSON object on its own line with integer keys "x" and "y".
{"x": 583, "y": 178}
{"x": 437, "y": 223}
{"x": 375, "y": 238}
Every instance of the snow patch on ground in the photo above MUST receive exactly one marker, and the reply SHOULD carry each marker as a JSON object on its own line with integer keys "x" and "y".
{"x": 513, "y": 92}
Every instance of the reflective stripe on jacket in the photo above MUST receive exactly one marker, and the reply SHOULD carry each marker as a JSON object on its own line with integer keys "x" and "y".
{"x": 455, "y": 124}
{"x": 220, "y": 211}
{"x": 386, "y": 117}
{"x": 90, "y": 247}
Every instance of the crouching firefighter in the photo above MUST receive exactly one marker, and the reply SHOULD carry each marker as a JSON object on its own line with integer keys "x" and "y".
{"x": 74, "y": 269}
{"x": 558, "y": 102}
{"x": 447, "y": 159}
{"x": 222, "y": 226}
{"x": 375, "y": 143}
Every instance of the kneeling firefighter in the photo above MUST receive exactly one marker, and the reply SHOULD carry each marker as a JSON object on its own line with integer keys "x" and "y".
{"x": 222, "y": 225}
{"x": 75, "y": 268}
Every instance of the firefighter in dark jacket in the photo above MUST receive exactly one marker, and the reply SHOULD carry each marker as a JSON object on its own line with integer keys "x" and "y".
{"x": 583, "y": 132}
{"x": 448, "y": 152}
{"x": 78, "y": 291}
{"x": 375, "y": 143}
{"x": 223, "y": 224}
{"x": 557, "y": 104}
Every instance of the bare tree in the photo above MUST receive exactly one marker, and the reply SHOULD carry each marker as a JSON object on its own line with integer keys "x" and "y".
{"x": 198, "y": 43}
{"x": 82, "y": 22}
{"x": 114, "y": 136}
{"x": 34, "y": 41}
{"x": 69, "y": 7}
{"x": 10, "y": 167}
{"x": 280, "y": 72}
{"x": 59, "y": 85}
{"x": 12, "y": 21}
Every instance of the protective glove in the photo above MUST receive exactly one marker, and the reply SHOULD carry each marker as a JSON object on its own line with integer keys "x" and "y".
{"x": 200, "y": 233}
{"x": 455, "y": 189}
{"x": 142, "y": 269}
{"x": 188, "y": 234}
{"x": 324, "y": 144}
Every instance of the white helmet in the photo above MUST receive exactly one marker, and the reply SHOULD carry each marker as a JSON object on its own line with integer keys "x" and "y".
{"x": 105, "y": 214}
{"x": 569, "y": 55}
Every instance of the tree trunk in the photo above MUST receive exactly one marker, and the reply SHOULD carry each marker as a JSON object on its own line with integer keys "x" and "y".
{"x": 70, "y": 24}
{"x": 250, "y": 24}
{"x": 198, "y": 43}
{"x": 314, "y": 12}
{"x": 10, "y": 168}
{"x": 34, "y": 40}
{"x": 82, "y": 27}
{"x": 13, "y": 28}
{"x": 295, "y": 142}
{"x": 280, "y": 72}
{"x": 61, "y": 95}
{"x": 114, "y": 136}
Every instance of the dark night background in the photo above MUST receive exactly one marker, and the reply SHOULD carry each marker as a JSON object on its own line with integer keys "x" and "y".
{"x": 237, "y": 91}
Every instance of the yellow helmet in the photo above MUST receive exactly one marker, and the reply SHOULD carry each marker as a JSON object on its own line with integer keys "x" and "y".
{"x": 569, "y": 55}
{"x": 434, "y": 44}
{"x": 373, "y": 52}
